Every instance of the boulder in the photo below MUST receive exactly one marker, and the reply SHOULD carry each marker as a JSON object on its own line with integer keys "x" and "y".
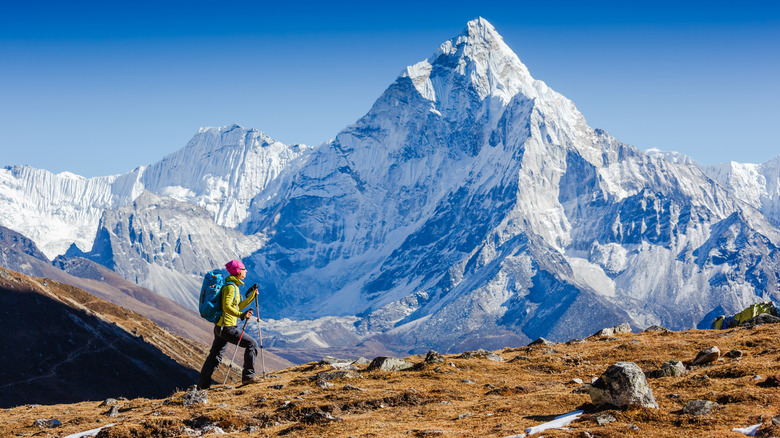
{"x": 706, "y": 356}
{"x": 699, "y": 407}
{"x": 389, "y": 364}
{"x": 656, "y": 328}
{"x": 622, "y": 385}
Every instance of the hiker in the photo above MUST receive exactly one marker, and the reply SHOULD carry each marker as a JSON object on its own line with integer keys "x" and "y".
{"x": 226, "y": 330}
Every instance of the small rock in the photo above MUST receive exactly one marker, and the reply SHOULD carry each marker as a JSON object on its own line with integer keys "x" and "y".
{"x": 335, "y": 375}
{"x": 352, "y": 388}
{"x": 280, "y": 386}
{"x": 361, "y": 361}
{"x": 465, "y": 415}
{"x": 576, "y": 381}
{"x": 541, "y": 341}
{"x": 434, "y": 357}
{"x": 210, "y": 428}
{"x": 109, "y": 402}
{"x": 323, "y": 384}
{"x": 671, "y": 368}
{"x": 47, "y": 423}
{"x": 330, "y": 360}
{"x": 706, "y": 356}
{"x": 622, "y": 385}
{"x": 776, "y": 420}
{"x": 113, "y": 412}
{"x": 195, "y": 397}
{"x": 319, "y": 417}
{"x": 389, "y": 364}
{"x": 699, "y": 407}
{"x": 616, "y": 330}
{"x": 771, "y": 382}
{"x": 633, "y": 427}
{"x": 582, "y": 389}
{"x": 758, "y": 377}
{"x": 574, "y": 341}
{"x": 733, "y": 354}
{"x": 675, "y": 396}
{"x": 521, "y": 358}
{"x": 482, "y": 354}
{"x": 468, "y": 381}
{"x": 605, "y": 418}
{"x": 656, "y": 328}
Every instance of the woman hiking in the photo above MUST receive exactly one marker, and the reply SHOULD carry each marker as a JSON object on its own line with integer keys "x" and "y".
{"x": 226, "y": 330}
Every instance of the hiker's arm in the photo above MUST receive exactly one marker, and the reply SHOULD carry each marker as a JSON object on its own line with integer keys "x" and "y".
{"x": 250, "y": 296}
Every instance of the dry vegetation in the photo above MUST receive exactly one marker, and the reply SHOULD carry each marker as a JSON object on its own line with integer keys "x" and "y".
{"x": 464, "y": 397}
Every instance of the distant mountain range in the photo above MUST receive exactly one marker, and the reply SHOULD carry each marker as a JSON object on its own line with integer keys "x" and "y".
{"x": 471, "y": 206}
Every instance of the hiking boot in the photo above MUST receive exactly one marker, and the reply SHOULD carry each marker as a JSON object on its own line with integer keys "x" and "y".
{"x": 251, "y": 380}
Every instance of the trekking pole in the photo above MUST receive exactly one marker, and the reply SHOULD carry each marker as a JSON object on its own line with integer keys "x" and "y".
{"x": 259, "y": 334}
{"x": 236, "y": 351}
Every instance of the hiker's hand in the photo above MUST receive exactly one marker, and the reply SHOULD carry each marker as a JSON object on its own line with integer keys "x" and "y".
{"x": 249, "y": 313}
{"x": 253, "y": 288}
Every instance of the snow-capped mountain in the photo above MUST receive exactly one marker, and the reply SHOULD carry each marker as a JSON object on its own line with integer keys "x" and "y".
{"x": 165, "y": 245}
{"x": 471, "y": 206}
{"x": 220, "y": 169}
{"x": 473, "y": 200}
{"x": 756, "y": 184}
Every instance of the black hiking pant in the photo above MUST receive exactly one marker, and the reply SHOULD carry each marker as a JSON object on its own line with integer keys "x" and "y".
{"x": 223, "y": 335}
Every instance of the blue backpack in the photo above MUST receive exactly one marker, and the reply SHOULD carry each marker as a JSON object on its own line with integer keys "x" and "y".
{"x": 210, "y": 306}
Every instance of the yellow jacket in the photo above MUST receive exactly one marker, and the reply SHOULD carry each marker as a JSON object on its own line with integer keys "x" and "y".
{"x": 231, "y": 307}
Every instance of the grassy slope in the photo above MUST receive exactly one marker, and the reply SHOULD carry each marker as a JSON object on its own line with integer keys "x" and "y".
{"x": 504, "y": 398}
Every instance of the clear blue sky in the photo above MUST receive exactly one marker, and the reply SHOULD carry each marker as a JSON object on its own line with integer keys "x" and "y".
{"x": 99, "y": 88}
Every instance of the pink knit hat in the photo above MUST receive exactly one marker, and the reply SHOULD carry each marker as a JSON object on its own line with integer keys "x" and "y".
{"x": 234, "y": 267}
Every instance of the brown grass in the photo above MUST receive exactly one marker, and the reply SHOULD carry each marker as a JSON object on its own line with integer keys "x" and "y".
{"x": 465, "y": 397}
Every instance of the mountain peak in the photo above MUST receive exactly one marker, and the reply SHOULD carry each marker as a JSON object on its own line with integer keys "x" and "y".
{"x": 481, "y": 29}
{"x": 478, "y": 54}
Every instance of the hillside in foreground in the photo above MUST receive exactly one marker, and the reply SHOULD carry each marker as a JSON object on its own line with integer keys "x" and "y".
{"x": 62, "y": 344}
{"x": 462, "y": 397}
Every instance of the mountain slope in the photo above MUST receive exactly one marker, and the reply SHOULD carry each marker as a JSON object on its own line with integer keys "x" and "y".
{"x": 77, "y": 347}
{"x": 105, "y": 284}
